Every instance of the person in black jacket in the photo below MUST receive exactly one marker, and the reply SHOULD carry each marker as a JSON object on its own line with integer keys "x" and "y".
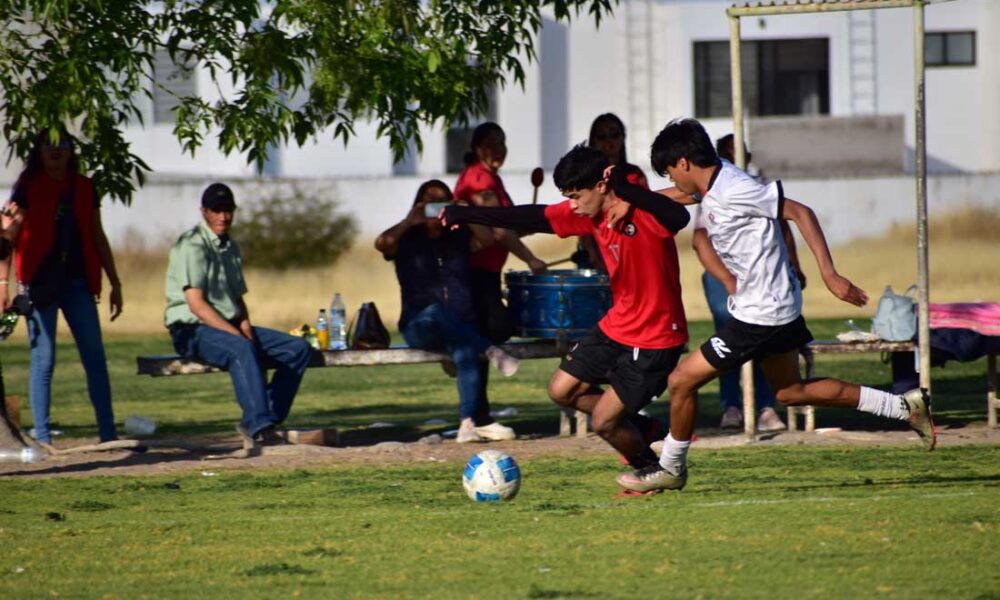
{"x": 432, "y": 266}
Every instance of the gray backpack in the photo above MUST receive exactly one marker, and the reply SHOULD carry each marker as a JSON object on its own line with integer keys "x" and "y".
{"x": 896, "y": 316}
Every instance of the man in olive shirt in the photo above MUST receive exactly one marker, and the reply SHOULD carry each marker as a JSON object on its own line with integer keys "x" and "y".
{"x": 208, "y": 319}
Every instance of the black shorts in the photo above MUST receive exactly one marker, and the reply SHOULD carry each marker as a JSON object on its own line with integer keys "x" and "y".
{"x": 638, "y": 376}
{"x": 737, "y": 342}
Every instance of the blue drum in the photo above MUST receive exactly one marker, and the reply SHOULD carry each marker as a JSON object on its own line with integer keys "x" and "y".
{"x": 563, "y": 304}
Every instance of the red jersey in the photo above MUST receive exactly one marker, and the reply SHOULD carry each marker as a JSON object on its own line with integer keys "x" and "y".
{"x": 641, "y": 257}
{"x": 477, "y": 178}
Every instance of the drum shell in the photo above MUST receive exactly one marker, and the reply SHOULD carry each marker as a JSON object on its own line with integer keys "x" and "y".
{"x": 564, "y": 304}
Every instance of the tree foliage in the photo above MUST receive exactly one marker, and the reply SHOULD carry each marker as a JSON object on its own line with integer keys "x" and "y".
{"x": 297, "y": 68}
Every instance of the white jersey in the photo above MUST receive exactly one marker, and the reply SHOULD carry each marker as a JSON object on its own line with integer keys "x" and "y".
{"x": 741, "y": 218}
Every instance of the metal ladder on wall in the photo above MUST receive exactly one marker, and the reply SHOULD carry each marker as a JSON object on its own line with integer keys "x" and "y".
{"x": 640, "y": 120}
{"x": 862, "y": 60}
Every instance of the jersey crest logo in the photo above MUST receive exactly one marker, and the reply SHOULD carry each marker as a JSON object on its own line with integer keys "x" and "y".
{"x": 720, "y": 347}
{"x": 630, "y": 229}
{"x": 613, "y": 248}
{"x": 711, "y": 216}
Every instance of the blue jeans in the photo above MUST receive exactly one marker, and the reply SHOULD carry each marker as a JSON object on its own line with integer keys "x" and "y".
{"x": 729, "y": 381}
{"x": 264, "y": 404}
{"x": 80, "y": 311}
{"x": 437, "y": 329}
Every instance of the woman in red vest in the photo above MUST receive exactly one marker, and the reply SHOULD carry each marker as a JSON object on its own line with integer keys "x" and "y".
{"x": 54, "y": 220}
{"x": 480, "y": 185}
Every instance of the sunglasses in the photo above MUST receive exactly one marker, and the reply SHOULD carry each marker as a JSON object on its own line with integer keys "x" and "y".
{"x": 607, "y": 135}
{"x": 62, "y": 145}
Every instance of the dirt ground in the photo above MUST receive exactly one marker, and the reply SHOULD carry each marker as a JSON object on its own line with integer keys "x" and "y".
{"x": 210, "y": 455}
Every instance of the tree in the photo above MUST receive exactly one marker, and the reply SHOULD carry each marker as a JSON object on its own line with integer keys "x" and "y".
{"x": 298, "y": 68}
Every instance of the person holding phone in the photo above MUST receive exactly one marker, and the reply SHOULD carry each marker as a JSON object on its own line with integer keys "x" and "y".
{"x": 432, "y": 266}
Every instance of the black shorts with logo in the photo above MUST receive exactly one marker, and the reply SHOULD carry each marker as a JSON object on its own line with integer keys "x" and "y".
{"x": 737, "y": 342}
{"x": 638, "y": 376}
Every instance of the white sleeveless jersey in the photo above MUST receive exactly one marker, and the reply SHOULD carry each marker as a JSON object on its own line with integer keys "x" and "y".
{"x": 741, "y": 218}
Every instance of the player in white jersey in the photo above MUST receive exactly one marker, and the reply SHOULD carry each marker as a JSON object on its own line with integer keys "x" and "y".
{"x": 742, "y": 222}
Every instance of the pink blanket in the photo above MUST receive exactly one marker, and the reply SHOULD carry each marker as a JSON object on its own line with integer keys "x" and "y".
{"x": 981, "y": 317}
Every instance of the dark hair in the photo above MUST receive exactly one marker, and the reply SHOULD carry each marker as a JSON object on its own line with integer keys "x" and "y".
{"x": 33, "y": 165}
{"x": 580, "y": 168}
{"x": 682, "y": 138}
{"x": 614, "y": 120}
{"x": 479, "y": 135}
{"x": 430, "y": 183}
{"x": 725, "y": 147}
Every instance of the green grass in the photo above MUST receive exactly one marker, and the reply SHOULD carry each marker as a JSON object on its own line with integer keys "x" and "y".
{"x": 775, "y": 522}
{"x": 754, "y": 523}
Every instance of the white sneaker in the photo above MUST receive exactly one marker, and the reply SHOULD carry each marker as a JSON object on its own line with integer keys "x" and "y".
{"x": 732, "y": 418}
{"x": 468, "y": 435}
{"x": 768, "y": 420}
{"x": 495, "y": 432}
{"x": 505, "y": 363}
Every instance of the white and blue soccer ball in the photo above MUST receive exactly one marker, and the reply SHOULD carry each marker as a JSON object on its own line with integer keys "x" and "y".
{"x": 491, "y": 476}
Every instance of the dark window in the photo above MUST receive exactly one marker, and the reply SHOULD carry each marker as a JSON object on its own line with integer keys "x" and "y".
{"x": 780, "y": 77}
{"x": 459, "y": 136}
{"x": 171, "y": 82}
{"x": 950, "y": 49}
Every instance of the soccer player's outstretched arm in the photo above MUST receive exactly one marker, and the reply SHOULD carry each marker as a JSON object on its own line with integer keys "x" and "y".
{"x": 805, "y": 219}
{"x": 664, "y": 209}
{"x": 526, "y": 218}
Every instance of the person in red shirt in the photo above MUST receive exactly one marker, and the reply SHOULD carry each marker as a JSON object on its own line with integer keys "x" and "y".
{"x": 480, "y": 185}
{"x": 638, "y": 342}
{"x": 607, "y": 134}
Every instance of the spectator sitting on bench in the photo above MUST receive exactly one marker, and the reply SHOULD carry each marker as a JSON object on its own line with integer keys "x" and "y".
{"x": 432, "y": 266}
{"x": 208, "y": 320}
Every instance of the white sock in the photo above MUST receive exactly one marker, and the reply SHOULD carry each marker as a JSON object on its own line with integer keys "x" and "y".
{"x": 883, "y": 404}
{"x": 673, "y": 458}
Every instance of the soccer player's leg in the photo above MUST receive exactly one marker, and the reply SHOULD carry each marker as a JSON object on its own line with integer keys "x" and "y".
{"x": 611, "y": 423}
{"x": 575, "y": 383}
{"x": 670, "y": 472}
{"x": 913, "y": 407}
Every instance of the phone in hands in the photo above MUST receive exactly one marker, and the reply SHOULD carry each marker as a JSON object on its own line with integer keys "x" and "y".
{"x": 433, "y": 209}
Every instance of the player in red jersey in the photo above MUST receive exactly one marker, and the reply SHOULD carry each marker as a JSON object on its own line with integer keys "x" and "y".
{"x": 638, "y": 342}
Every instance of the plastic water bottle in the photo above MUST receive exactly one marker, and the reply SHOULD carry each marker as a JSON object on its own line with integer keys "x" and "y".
{"x": 338, "y": 323}
{"x": 24, "y": 455}
{"x": 322, "y": 329}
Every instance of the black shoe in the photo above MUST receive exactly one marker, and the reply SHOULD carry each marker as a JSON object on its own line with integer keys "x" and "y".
{"x": 269, "y": 436}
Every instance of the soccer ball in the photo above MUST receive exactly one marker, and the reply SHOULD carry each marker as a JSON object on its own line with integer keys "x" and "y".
{"x": 491, "y": 476}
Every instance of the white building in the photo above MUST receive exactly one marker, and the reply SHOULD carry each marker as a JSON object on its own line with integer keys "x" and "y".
{"x": 656, "y": 60}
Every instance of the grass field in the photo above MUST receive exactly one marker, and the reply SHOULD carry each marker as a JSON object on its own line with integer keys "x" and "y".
{"x": 805, "y": 521}
{"x": 777, "y": 523}
{"x": 759, "y": 522}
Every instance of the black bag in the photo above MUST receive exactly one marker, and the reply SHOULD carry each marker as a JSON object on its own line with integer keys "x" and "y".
{"x": 367, "y": 331}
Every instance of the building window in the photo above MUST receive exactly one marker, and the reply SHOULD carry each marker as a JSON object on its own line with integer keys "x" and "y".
{"x": 950, "y": 48}
{"x": 171, "y": 82}
{"x": 780, "y": 77}
{"x": 459, "y": 137}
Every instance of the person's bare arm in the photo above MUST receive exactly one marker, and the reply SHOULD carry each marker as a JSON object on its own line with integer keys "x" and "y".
{"x": 108, "y": 263}
{"x": 482, "y": 236}
{"x": 245, "y": 328}
{"x": 793, "y": 253}
{"x": 711, "y": 261}
{"x": 513, "y": 242}
{"x": 206, "y": 313}
{"x": 11, "y": 218}
{"x": 805, "y": 219}
{"x": 388, "y": 241}
{"x": 677, "y": 196}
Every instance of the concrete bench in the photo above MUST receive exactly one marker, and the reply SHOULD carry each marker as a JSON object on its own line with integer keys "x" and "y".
{"x": 169, "y": 365}
{"x": 837, "y": 347}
